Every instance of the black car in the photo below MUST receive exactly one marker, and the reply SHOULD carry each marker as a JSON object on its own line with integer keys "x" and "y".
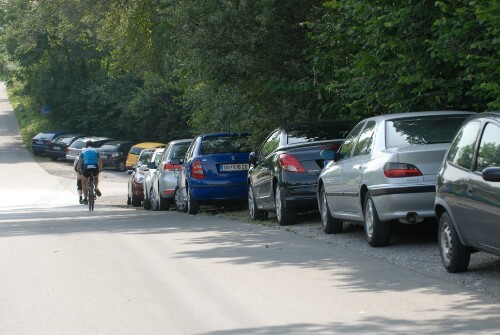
{"x": 114, "y": 154}
{"x": 57, "y": 148}
{"x": 467, "y": 200}
{"x": 284, "y": 171}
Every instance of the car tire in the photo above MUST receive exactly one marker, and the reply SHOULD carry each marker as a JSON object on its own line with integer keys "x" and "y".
{"x": 153, "y": 200}
{"x": 454, "y": 255}
{"x": 329, "y": 224}
{"x": 121, "y": 166}
{"x": 129, "y": 202}
{"x": 180, "y": 204}
{"x": 164, "y": 204}
{"x": 285, "y": 215}
{"x": 192, "y": 204}
{"x": 135, "y": 201}
{"x": 146, "y": 203}
{"x": 377, "y": 233}
{"x": 255, "y": 213}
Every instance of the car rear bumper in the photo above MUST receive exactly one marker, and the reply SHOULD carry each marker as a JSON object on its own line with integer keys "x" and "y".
{"x": 397, "y": 202}
{"x": 56, "y": 154}
{"x": 300, "y": 195}
{"x": 110, "y": 161}
{"x": 167, "y": 185}
{"x": 219, "y": 192}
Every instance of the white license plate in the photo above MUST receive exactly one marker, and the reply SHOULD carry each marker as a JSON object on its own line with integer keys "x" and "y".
{"x": 234, "y": 167}
{"x": 39, "y": 142}
{"x": 56, "y": 148}
{"x": 104, "y": 156}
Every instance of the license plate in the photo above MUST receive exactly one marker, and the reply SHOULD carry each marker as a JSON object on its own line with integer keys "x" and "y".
{"x": 104, "y": 156}
{"x": 39, "y": 142}
{"x": 56, "y": 148}
{"x": 234, "y": 167}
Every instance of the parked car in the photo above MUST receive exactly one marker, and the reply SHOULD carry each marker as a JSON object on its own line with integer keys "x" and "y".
{"x": 284, "y": 171}
{"x": 135, "y": 193}
{"x": 136, "y": 149}
{"x": 214, "y": 170}
{"x": 40, "y": 143}
{"x": 57, "y": 148}
{"x": 114, "y": 154}
{"x": 149, "y": 173}
{"x": 164, "y": 180}
{"x": 386, "y": 171}
{"x": 77, "y": 146}
{"x": 467, "y": 202}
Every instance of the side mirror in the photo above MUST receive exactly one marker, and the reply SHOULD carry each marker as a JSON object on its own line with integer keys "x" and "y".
{"x": 491, "y": 174}
{"x": 151, "y": 165}
{"x": 252, "y": 158}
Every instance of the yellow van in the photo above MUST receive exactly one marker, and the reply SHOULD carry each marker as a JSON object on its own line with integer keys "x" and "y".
{"x": 136, "y": 149}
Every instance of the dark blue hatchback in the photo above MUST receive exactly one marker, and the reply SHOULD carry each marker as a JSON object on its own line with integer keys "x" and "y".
{"x": 215, "y": 169}
{"x": 40, "y": 143}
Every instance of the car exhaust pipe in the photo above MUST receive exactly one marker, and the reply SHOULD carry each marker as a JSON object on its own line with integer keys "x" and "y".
{"x": 411, "y": 218}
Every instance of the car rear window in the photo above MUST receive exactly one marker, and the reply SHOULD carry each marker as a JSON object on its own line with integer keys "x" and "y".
{"x": 64, "y": 140}
{"x": 224, "y": 144}
{"x": 422, "y": 130}
{"x": 44, "y": 136}
{"x": 77, "y": 145}
{"x": 136, "y": 150}
{"x": 108, "y": 147}
{"x": 178, "y": 150}
{"x": 318, "y": 132}
{"x": 145, "y": 157}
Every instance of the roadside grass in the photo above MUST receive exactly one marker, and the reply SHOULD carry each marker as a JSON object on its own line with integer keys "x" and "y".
{"x": 29, "y": 118}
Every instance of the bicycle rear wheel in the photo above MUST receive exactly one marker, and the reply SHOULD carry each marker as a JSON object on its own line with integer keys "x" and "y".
{"x": 91, "y": 196}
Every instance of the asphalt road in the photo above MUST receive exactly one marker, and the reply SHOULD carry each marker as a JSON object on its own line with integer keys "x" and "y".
{"x": 64, "y": 270}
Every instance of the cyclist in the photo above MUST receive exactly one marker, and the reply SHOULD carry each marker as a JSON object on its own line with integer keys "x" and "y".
{"x": 89, "y": 162}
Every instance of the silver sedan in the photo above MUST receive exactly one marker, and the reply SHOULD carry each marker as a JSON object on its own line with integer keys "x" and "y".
{"x": 386, "y": 171}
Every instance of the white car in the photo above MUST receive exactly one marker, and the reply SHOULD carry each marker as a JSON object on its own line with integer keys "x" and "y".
{"x": 149, "y": 173}
{"x": 165, "y": 178}
{"x": 386, "y": 171}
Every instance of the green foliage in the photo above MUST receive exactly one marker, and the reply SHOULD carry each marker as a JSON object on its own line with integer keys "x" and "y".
{"x": 165, "y": 69}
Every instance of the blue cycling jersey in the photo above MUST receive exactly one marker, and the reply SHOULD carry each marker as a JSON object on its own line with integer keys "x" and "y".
{"x": 90, "y": 156}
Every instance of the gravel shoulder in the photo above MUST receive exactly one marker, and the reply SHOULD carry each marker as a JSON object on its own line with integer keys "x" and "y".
{"x": 412, "y": 246}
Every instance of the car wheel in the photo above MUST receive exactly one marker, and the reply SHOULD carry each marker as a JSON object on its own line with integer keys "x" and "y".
{"x": 164, "y": 204}
{"x": 255, "y": 213}
{"x": 330, "y": 225}
{"x": 121, "y": 166}
{"x": 135, "y": 201}
{"x": 192, "y": 204}
{"x": 146, "y": 203}
{"x": 454, "y": 254}
{"x": 285, "y": 215}
{"x": 179, "y": 201}
{"x": 128, "y": 200}
{"x": 377, "y": 233}
{"x": 153, "y": 200}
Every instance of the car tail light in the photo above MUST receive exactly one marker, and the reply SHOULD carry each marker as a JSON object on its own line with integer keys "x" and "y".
{"x": 172, "y": 167}
{"x": 290, "y": 163}
{"x": 401, "y": 170}
{"x": 197, "y": 170}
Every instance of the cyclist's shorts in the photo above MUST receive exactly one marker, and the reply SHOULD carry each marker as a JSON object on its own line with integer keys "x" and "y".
{"x": 88, "y": 169}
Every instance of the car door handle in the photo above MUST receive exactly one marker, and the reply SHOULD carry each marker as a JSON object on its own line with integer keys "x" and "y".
{"x": 470, "y": 189}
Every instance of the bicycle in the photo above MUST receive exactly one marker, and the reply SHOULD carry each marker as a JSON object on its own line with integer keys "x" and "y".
{"x": 91, "y": 192}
